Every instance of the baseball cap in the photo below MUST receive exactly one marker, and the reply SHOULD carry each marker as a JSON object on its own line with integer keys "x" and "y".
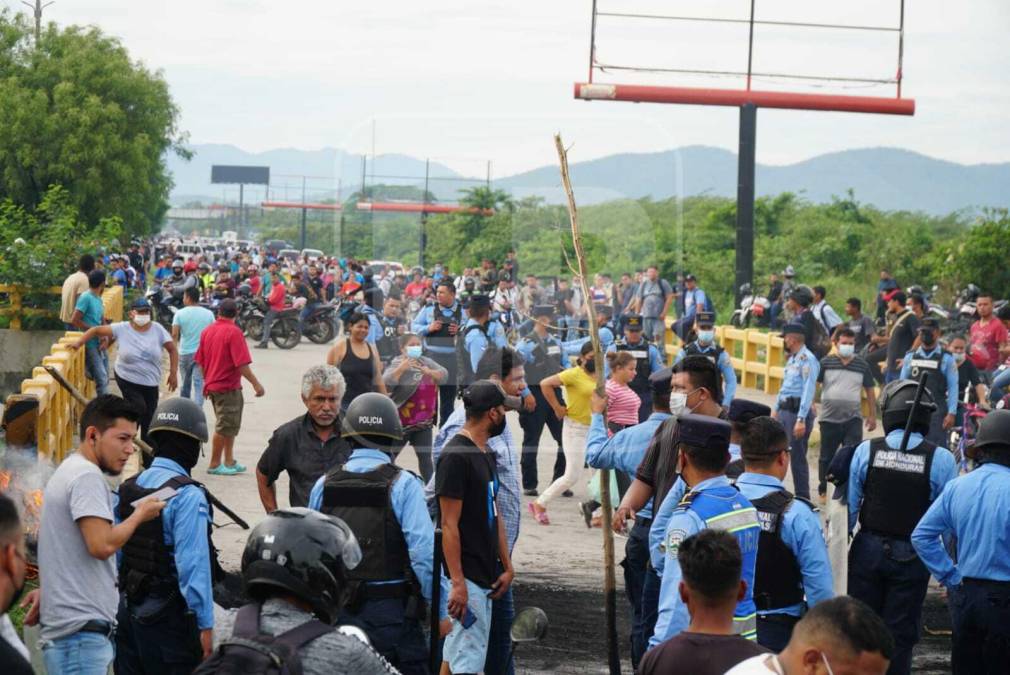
{"x": 705, "y": 318}
{"x": 703, "y": 431}
{"x": 633, "y": 322}
{"x": 140, "y": 303}
{"x": 484, "y": 394}
{"x": 743, "y": 411}
{"x": 793, "y": 328}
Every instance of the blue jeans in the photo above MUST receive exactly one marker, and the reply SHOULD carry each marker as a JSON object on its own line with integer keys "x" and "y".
{"x": 192, "y": 378}
{"x": 499, "y": 642}
{"x": 636, "y": 566}
{"x": 650, "y": 604}
{"x": 304, "y": 314}
{"x": 655, "y": 330}
{"x": 96, "y": 367}
{"x": 1000, "y": 381}
{"x": 78, "y": 654}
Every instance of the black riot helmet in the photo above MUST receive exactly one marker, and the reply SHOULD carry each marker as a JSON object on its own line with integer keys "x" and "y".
{"x": 896, "y": 401}
{"x": 304, "y": 553}
{"x": 182, "y": 416}
{"x": 993, "y": 437}
{"x": 177, "y": 430}
{"x": 372, "y": 421}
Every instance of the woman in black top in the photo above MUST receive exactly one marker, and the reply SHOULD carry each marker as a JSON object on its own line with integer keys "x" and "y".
{"x": 358, "y": 361}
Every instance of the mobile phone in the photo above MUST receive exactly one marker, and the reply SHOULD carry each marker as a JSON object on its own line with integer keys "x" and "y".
{"x": 468, "y": 619}
{"x": 164, "y": 494}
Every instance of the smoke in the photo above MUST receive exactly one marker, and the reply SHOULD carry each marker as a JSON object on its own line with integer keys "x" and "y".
{"x": 23, "y": 477}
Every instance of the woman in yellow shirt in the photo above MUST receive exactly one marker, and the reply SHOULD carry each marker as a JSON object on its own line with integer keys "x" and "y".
{"x": 579, "y": 383}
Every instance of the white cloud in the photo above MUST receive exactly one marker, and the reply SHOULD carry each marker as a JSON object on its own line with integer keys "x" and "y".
{"x": 493, "y": 79}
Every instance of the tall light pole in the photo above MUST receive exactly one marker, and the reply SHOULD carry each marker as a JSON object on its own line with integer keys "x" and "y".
{"x": 37, "y": 10}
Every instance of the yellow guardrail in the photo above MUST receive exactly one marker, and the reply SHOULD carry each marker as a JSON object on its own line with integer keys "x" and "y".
{"x": 58, "y": 415}
{"x": 112, "y": 299}
{"x": 757, "y": 357}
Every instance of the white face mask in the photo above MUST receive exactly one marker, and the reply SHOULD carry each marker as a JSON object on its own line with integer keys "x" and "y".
{"x": 705, "y": 337}
{"x": 678, "y": 401}
{"x": 141, "y": 319}
{"x": 959, "y": 356}
{"x": 846, "y": 351}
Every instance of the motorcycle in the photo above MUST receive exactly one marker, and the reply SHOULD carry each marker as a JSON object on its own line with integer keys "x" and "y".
{"x": 283, "y": 331}
{"x": 752, "y": 307}
{"x": 164, "y": 305}
{"x": 320, "y": 324}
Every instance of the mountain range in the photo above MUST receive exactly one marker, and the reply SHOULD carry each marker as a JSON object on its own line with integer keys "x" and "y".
{"x": 888, "y": 178}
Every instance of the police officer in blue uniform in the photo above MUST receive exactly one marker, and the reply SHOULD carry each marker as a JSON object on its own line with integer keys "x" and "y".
{"x": 384, "y": 506}
{"x": 705, "y": 345}
{"x": 543, "y": 354}
{"x": 712, "y": 503}
{"x": 438, "y": 325}
{"x": 605, "y": 329}
{"x": 794, "y": 406}
{"x": 975, "y": 508}
{"x": 793, "y": 571}
{"x": 624, "y": 452}
{"x": 167, "y": 568}
{"x": 392, "y": 324}
{"x": 647, "y": 361}
{"x": 478, "y": 333}
{"x": 370, "y": 308}
{"x": 889, "y": 490}
{"x": 740, "y": 413}
{"x": 941, "y": 378}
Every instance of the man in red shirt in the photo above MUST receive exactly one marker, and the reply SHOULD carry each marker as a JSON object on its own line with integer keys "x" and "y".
{"x": 988, "y": 337}
{"x": 255, "y": 283}
{"x": 415, "y": 288}
{"x": 276, "y": 300}
{"x": 225, "y": 360}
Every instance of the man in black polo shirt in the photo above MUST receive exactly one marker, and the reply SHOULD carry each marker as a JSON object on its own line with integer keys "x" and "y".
{"x": 307, "y": 446}
{"x": 473, "y": 536}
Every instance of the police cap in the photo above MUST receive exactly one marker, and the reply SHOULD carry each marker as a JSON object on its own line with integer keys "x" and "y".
{"x": 705, "y": 318}
{"x": 659, "y": 382}
{"x": 543, "y": 310}
{"x": 633, "y": 322}
{"x": 930, "y": 323}
{"x": 703, "y": 431}
{"x": 479, "y": 301}
{"x": 603, "y": 309}
{"x": 181, "y": 416}
{"x": 743, "y": 411}
{"x": 690, "y": 277}
{"x": 793, "y": 329}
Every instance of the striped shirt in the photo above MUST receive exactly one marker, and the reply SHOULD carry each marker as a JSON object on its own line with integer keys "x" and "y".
{"x": 622, "y": 404}
{"x": 841, "y": 393}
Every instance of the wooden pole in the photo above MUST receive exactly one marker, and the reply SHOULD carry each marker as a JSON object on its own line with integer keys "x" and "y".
{"x": 609, "y": 580}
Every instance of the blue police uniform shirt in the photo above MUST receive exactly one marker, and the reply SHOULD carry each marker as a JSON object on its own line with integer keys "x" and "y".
{"x": 717, "y": 504}
{"x": 185, "y": 520}
{"x": 734, "y": 452}
{"x": 573, "y": 348}
{"x": 800, "y": 381}
{"x": 624, "y": 450}
{"x": 943, "y": 470}
{"x": 476, "y": 343}
{"x": 410, "y": 510}
{"x": 660, "y": 519}
{"x": 801, "y": 532}
{"x": 725, "y": 365}
{"x": 947, "y": 366}
{"x": 527, "y": 346}
{"x": 655, "y": 360}
{"x": 426, "y": 317}
{"x": 967, "y": 508}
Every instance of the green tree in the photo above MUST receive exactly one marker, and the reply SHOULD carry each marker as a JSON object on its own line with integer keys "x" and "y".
{"x": 79, "y": 113}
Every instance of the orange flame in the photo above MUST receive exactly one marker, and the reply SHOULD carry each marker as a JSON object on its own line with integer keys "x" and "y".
{"x": 5, "y": 479}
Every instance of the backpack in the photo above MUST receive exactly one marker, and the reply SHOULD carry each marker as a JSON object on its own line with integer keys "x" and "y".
{"x": 463, "y": 367}
{"x": 820, "y": 341}
{"x": 249, "y": 652}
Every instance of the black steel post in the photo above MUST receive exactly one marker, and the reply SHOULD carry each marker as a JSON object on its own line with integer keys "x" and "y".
{"x": 745, "y": 199}
{"x": 304, "y": 217}
{"x": 423, "y": 234}
{"x": 241, "y": 211}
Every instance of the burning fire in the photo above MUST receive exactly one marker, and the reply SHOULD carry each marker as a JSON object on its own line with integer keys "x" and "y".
{"x": 22, "y": 478}
{"x": 5, "y": 480}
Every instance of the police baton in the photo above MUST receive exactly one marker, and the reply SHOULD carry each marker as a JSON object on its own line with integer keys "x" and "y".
{"x": 916, "y": 403}
{"x": 436, "y": 602}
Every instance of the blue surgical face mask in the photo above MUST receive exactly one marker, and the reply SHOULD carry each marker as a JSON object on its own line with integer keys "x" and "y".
{"x": 414, "y": 351}
{"x": 706, "y": 336}
{"x": 846, "y": 351}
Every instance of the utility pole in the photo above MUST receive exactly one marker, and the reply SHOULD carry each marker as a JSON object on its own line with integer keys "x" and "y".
{"x": 37, "y": 10}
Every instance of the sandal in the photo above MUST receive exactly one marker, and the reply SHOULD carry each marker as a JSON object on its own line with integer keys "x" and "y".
{"x": 540, "y": 516}
{"x": 222, "y": 470}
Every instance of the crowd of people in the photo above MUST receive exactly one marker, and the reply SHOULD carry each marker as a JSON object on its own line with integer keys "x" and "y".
{"x": 725, "y": 568}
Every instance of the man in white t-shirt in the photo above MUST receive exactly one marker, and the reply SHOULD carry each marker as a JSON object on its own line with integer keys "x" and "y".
{"x": 78, "y": 541}
{"x": 840, "y": 636}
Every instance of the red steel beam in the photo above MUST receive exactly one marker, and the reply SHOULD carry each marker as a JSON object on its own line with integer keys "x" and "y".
{"x": 404, "y": 207}
{"x": 736, "y": 98}
{"x": 301, "y": 205}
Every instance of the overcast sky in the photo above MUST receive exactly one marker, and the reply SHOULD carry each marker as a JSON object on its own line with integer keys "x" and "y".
{"x": 466, "y": 81}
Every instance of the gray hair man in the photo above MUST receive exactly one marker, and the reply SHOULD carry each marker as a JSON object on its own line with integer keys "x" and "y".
{"x": 307, "y": 446}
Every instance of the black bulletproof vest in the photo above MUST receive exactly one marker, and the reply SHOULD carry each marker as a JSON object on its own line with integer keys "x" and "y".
{"x": 441, "y": 337}
{"x": 364, "y": 502}
{"x": 388, "y": 344}
{"x": 694, "y": 349}
{"x": 778, "y": 581}
{"x": 148, "y": 563}
{"x": 640, "y": 351}
{"x": 935, "y": 380}
{"x": 545, "y": 360}
{"x": 896, "y": 490}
